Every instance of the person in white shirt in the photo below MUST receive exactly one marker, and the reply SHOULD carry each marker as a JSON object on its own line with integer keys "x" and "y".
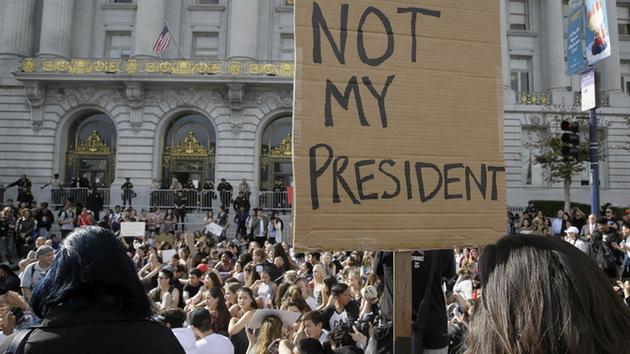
{"x": 590, "y": 226}
{"x": 209, "y": 342}
{"x": 35, "y": 271}
{"x": 174, "y": 319}
{"x": 556, "y": 224}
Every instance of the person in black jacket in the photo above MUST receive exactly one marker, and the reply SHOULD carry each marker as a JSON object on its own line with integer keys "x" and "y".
{"x": 8, "y": 279}
{"x": 24, "y": 189}
{"x": 241, "y": 202}
{"x": 95, "y": 203}
{"x": 127, "y": 191}
{"x": 430, "y": 322}
{"x": 180, "y": 210}
{"x": 91, "y": 301}
{"x": 45, "y": 219}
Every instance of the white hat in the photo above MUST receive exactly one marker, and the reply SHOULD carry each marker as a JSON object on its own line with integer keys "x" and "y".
{"x": 572, "y": 230}
{"x": 288, "y": 318}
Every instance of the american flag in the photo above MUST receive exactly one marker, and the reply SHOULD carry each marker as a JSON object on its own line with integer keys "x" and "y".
{"x": 162, "y": 41}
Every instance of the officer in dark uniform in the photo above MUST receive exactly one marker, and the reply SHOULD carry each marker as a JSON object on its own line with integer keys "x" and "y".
{"x": 207, "y": 194}
{"x": 127, "y": 191}
{"x": 180, "y": 209}
{"x": 191, "y": 194}
{"x": 95, "y": 203}
{"x": 24, "y": 189}
{"x": 225, "y": 190}
{"x": 241, "y": 201}
{"x": 279, "y": 197}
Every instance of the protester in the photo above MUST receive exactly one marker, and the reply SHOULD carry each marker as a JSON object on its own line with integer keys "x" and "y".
{"x": 348, "y": 292}
{"x": 561, "y": 303}
{"x": 208, "y": 341}
{"x": 35, "y": 271}
{"x": 175, "y": 319}
{"x": 90, "y": 289}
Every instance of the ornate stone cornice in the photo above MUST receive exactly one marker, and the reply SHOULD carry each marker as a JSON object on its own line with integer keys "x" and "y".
{"x": 134, "y": 92}
{"x": 36, "y": 98}
{"x": 236, "y": 94}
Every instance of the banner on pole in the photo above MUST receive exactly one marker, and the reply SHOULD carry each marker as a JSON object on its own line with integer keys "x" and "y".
{"x": 597, "y": 35}
{"x": 575, "y": 35}
{"x": 397, "y": 127}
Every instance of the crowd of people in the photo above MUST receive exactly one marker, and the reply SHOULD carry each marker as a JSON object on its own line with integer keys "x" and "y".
{"x": 253, "y": 294}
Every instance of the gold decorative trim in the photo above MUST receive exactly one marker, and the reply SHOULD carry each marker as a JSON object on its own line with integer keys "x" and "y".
{"x": 190, "y": 146}
{"x": 177, "y": 67}
{"x": 93, "y": 145}
{"x": 284, "y": 150}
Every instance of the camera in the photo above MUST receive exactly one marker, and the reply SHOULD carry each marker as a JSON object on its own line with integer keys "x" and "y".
{"x": 363, "y": 326}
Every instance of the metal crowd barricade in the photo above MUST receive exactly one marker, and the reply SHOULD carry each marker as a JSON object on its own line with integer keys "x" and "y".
{"x": 208, "y": 200}
{"x": 192, "y": 199}
{"x": 225, "y": 198}
{"x": 269, "y": 200}
{"x": 162, "y": 198}
{"x": 107, "y": 195}
{"x": 58, "y": 196}
{"x": 165, "y": 199}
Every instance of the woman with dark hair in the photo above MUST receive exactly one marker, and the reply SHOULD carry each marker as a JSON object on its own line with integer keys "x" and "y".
{"x": 236, "y": 329}
{"x": 231, "y": 298}
{"x": 222, "y": 220}
{"x": 168, "y": 223}
{"x": 91, "y": 301}
{"x": 149, "y": 273}
{"x": 288, "y": 264}
{"x": 215, "y": 304}
{"x": 561, "y": 303}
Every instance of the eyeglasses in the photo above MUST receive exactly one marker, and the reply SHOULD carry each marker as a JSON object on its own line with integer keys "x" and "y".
{"x": 608, "y": 211}
{"x": 162, "y": 277}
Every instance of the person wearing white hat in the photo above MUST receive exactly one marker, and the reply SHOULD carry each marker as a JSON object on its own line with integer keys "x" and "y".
{"x": 574, "y": 239}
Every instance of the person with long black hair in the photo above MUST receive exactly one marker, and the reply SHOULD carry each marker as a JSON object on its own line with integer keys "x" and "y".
{"x": 541, "y": 295}
{"x": 91, "y": 301}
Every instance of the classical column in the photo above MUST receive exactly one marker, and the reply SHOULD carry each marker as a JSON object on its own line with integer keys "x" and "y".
{"x": 611, "y": 68}
{"x": 149, "y": 22}
{"x": 243, "y": 28}
{"x": 505, "y": 55}
{"x": 16, "y": 29}
{"x": 508, "y": 94}
{"x": 553, "y": 46}
{"x": 56, "y": 35}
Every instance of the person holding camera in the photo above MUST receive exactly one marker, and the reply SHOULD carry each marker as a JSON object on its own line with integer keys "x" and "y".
{"x": 344, "y": 312}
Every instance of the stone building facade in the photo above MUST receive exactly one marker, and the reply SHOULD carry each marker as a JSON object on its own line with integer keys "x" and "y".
{"x": 83, "y": 94}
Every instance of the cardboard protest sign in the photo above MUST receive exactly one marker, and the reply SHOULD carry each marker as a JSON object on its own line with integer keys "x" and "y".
{"x": 167, "y": 255}
{"x": 214, "y": 229}
{"x": 397, "y": 124}
{"x": 132, "y": 229}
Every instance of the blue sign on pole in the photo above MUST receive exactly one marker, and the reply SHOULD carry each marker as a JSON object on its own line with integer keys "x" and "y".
{"x": 597, "y": 35}
{"x": 575, "y": 33}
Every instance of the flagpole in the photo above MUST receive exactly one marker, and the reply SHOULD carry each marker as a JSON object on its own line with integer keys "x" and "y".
{"x": 179, "y": 49}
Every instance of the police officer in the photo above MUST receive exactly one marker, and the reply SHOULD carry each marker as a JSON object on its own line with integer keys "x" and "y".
{"x": 127, "y": 191}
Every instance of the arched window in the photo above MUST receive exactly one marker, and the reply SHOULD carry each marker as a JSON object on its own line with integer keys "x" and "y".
{"x": 91, "y": 149}
{"x": 189, "y": 149}
{"x": 275, "y": 154}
